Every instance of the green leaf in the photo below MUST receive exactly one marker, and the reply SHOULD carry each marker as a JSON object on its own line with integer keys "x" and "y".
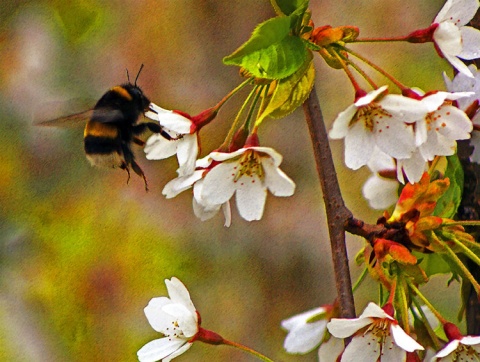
{"x": 290, "y": 92}
{"x": 271, "y": 52}
{"x": 287, "y": 7}
{"x": 447, "y": 205}
{"x": 433, "y": 264}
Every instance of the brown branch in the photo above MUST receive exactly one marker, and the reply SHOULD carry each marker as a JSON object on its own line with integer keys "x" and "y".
{"x": 470, "y": 210}
{"x": 337, "y": 213}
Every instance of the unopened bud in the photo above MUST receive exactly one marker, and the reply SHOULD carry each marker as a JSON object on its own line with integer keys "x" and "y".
{"x": 238, "y": 140}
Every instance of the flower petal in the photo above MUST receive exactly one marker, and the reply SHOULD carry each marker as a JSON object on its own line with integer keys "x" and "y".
{"x": 374, "y": 311}
{"x": 186, "y": 320}
{"x": 370, "y": 97}
{"x": 403, "y": 340}
{"x": 341, "y": 124}
{"x": 448, "y": 38}
{"x": 218, "y": 184}
{"x": 203, "y": 212}
{"x": 175, "y": 122}
{"x": 359, "y": 145}
{"x": 449, "y": 348}
{"x": 276, "y": 180}
{"x": 180, "y": 184}
{"x": 453, "y": 123}
{"x": 470, "y": 340}
{"x": 364, "y": 347}
{"x": 458, "y": 65}
{"x": 227, "y": 213}
{"x": 395, "y": 138}
{"x": 471, "y": 43}
{"x": 344, "y": 327}
{"x": 178, "y": 352}
{"x": 159, "y": 349}
{"x": 158, "y": 319}
{"x": 380, "y": 193}
{"x": 391, "y": 352}
{"x": 224, "y": 156}
{"x": 270, "y": 152}
{"x": 405, "y": 109}
{"x": 187, "y": 152}
{"x": 330, "y": 350}
{"x": 179, "y": 294}
{"x": 250, "y": 197}
{"x": 302, "y": 318}
{"x": 414, "y": 167}
{"x": 158, "y": 147}
{"x": 305, "y": 338}
{"x": 437, "y": 145}
{"x": 458, "y": 11}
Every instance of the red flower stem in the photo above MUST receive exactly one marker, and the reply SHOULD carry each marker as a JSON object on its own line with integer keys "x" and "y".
{"x": 337, "y": 213}
{"x": 236, "y": 122}
{"x": 231, "y": 93}
{"x": 362, "y": 73}
{"x": 248, "y": 350}
{"x": 380, "y": 40}
{"x": 377, "y": 68}
{"x": 347, "y": 71}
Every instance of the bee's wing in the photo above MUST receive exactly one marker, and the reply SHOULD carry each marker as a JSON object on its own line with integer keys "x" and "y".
{"x": 72, "y": 120}
{"x": 102, "y": 115}
{"x": 107, "y": 115}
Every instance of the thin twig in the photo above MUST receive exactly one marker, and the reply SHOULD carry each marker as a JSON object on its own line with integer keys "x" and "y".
{"x": 337, "y": 213}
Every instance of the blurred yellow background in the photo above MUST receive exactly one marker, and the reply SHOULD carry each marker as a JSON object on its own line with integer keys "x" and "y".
{"x": 82, "y": 252}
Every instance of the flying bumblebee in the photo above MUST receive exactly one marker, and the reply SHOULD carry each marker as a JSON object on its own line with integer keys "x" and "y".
{"x": 113, "y": 126}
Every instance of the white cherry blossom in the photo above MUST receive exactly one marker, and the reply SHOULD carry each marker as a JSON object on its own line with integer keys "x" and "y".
{"x": 176, "y": 318}
{"x": 375, "y": 334}
{"x": 436, "y": 133}
{"x": 453, "y": 38}
{"x": 184, "y": 142}
{"x": 466, "y": 348}
{"x": 463, "y": 83}
{"x": 247, "y": 173}
{"x": 378, "y": 120}
{"x": 202, "y": 208}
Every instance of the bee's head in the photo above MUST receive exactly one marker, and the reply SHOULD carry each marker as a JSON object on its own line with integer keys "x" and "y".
{"x": 136, "y": 92}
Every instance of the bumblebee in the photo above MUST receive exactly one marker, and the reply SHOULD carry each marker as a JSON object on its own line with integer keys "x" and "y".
{"x": 113, "y": 126}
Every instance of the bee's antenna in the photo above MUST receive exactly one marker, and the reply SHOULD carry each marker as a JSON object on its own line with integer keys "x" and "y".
{"x": 138, "y": 74}
{"x": 128, "y": 76}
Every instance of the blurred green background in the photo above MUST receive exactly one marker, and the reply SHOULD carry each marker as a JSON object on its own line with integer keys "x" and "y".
{"x": 82, "y": 252}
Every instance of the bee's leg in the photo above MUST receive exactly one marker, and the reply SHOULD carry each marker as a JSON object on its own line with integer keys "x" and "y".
{"x": 130, "y": 161}
{"x": 124, "y": 166}
{"x": 155, "y": 128}
{"x": 139, "y": 172}
{"x": 138, "y": 141}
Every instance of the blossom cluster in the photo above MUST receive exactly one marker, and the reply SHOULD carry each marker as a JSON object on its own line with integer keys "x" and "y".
{"x": 247, "y": 172}
{"x": 375, "y": 336}
{"x": 405, "y": 131}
